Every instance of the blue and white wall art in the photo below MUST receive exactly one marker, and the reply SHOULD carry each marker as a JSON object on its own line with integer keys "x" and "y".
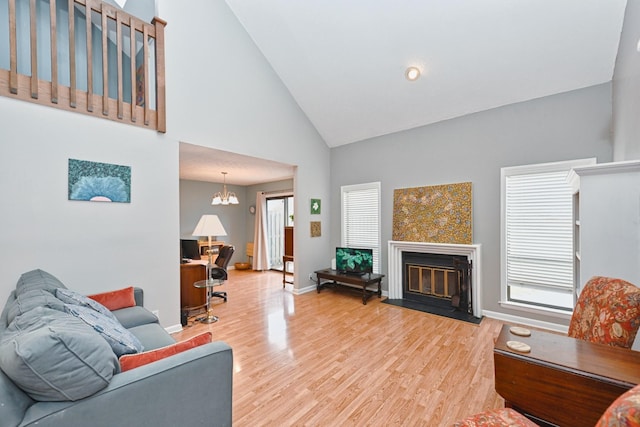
{"x": 99, "y": 182}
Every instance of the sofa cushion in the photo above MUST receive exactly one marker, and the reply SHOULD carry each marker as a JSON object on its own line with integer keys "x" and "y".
{"x": 38, "y": 279}
{"x": 131, "y": 361}
{"x": 152, "y": 336}
{"x": 72, "y": 297}
{"x": 31, "y": 299}
{"x": 134, "y": 316}
{"x": 120, "y": 339}
{"x": 115, "y": 300}
{"x": 40, "y": 349}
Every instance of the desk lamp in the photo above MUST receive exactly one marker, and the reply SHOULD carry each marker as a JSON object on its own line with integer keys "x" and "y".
{"x": 209, "y": 225}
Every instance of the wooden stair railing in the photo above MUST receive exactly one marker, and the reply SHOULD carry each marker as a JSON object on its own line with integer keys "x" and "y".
{"x": 137, "y": 98}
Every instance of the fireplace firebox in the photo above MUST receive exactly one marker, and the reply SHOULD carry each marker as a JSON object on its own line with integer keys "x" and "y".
{"x": 437, "y": 280}
{"x": 396, "y": 272}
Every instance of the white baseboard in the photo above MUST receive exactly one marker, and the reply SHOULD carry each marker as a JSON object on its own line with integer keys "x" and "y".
{"x": 300, "y": 291}
{"x": 526, "y": 321}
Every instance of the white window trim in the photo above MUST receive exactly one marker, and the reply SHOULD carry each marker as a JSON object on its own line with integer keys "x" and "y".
{"x": 355, "y": 187}
{"x": 520, "y": 170}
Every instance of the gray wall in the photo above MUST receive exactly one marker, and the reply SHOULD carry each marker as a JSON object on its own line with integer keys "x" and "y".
{"x": 626, "y": 88}
{"x": 195, "y": 201}
{"x": 474, "y": 148}
{"x": 269, "y": 187}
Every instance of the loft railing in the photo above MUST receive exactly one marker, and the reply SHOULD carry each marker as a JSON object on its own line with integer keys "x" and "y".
{"x": 84, "y": 56}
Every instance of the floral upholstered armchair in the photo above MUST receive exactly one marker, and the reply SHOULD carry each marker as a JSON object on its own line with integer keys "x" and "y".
{"x": 607, "y": 312}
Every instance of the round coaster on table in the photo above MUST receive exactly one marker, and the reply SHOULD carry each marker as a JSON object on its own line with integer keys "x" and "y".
{"x": 517, "y": 330}
{"x": 519, "y": 346}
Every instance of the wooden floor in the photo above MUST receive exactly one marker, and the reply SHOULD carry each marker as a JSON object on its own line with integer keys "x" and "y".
{"x": 328, "y": 360}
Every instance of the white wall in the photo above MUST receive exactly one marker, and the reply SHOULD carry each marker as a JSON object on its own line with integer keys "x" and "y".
{"x": 90, "y": 246}
{"x": 223, "y": 94}
{"x": 626, "y": 88}
{"x": 220, "y": 93}
{"x": 610, "y": 222}
{"x": 474, "y": 148}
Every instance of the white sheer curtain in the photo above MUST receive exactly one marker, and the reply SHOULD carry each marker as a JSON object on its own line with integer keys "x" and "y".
{"x": 260, "y": 246}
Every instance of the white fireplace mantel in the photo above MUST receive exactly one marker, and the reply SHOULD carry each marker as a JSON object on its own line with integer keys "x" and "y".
{"x": 472, "y": 252}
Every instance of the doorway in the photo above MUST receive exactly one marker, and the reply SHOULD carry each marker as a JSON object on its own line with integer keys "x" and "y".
{"x": 279, "y": 216}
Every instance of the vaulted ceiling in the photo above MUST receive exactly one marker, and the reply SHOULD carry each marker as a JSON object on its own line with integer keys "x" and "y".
{"x": 344, "y": 61}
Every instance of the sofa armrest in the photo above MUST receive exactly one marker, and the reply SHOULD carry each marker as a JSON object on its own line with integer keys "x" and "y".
{"x": 189, "y": 388}
{"x": 138, "y": 295}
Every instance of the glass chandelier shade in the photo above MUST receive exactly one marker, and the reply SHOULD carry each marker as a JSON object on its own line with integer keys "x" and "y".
{"x": 224, "y": 198}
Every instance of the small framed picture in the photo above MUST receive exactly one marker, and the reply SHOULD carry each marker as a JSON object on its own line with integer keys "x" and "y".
{"x": 315, "y": 206}
{"x": 316, "y": 229}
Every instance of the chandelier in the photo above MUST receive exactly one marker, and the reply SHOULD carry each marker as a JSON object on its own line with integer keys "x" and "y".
{"x": 224, "y": 198}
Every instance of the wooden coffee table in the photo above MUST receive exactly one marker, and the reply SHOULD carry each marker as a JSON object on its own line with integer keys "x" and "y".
{"x": 562, "y": 381}
{"x": 364, "y": 282}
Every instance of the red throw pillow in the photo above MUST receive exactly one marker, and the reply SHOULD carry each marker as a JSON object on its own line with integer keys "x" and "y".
{"x": 116, "y": 300}
{"x": 130, "y": 361}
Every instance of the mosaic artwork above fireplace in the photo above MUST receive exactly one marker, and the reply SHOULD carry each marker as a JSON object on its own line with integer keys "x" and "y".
{"x": 438, "y": 213}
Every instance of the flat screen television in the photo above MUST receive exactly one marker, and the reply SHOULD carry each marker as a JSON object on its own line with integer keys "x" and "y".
{"x": 189, "y": 249}
{"x": 355, "y": 261}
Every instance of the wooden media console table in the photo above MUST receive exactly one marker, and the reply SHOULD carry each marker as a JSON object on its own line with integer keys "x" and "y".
{"x": 562, "y": 381}
{"x": 352, "y": 281}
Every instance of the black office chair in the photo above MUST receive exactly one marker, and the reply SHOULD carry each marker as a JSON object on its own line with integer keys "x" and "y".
{"x": 219, "y": 271}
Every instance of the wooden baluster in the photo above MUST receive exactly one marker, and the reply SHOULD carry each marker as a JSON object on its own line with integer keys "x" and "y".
{"x": 119, "y": 62}
{"x": 105, "y": 61}
{"x": 54, "y": 52}
{"x": 139, "y": 69}
{"x": 88, "y": 16}
{"x": 161, "y": 119}
{"x": 132, "y": 36}
{"x": 13, "y": 49}
{"x": 72, "y": 54}
{"x": 145, "y": 44}
{"x": 33, "y": 13}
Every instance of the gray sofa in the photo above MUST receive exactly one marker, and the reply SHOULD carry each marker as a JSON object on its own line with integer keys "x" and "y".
{"x": 190, "y": 388}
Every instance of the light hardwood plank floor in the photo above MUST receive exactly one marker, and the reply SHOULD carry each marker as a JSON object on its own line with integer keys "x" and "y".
{"x": 328, "y": 360}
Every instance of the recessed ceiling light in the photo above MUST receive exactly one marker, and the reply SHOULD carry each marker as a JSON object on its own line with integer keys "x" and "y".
{"x": 412, "y": 73}
{"x": 638, "y": 46}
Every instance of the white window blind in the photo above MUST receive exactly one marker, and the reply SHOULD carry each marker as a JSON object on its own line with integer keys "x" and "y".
{"x": 361, "y": 218}
{"x": 539, "y": 229}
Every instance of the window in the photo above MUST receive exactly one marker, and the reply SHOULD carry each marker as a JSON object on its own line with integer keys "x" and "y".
{"x": 279, "y": 215}
{"x": 361, "y": 218}
{"x": 537, "y": 236}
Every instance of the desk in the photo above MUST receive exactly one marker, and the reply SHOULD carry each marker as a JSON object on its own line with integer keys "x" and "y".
{"x": 562, "y": 381}
{"x": 190, "y": 297}
{"x": 338, "y": 279}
